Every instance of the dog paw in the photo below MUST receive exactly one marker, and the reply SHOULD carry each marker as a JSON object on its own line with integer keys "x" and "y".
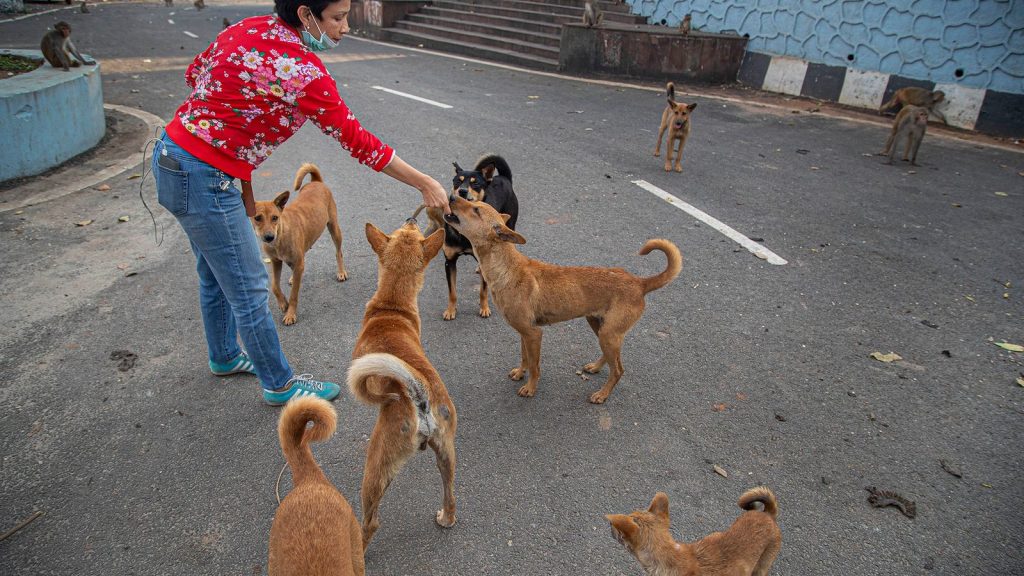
{"x": 290, "y": 318}
{"x": 656, "y": 154}
{"x": 342, "y": 276}
{"x": 679, "y": 168}
{"x": 517, "y": 373}
{"x": 283, "y": 305}
{"x": 449, "y": 314}
{"x": 485, "y": 312}
{"x": 444, "y": 520}
{"x": 593, "y": 367}
{"x": 668, "y": 167}
{"x": 527, "y": 391}
{"x": 598, "y": 397}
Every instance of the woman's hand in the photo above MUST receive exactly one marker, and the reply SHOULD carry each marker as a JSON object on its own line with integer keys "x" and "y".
{"x": 434, "y": 196}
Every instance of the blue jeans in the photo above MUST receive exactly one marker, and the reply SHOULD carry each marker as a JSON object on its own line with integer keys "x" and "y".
{"x": 233, "y": 292}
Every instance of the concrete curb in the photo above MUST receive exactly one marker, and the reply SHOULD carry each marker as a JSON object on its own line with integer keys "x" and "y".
{"x": 61, "y": 188}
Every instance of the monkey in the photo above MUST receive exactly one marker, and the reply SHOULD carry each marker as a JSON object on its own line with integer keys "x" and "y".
{"x": 912, "y": 121}
{"x": 592, "y": 16}
{"x": 169, "y": 3}
{"x": 85, "y": 8}
{"x": 226, "y": 23}
{"x": 199, "y": 4}
{"x": 58, "y": 49}
{"x": 916, "y": 97}
{"x": 685, "y": 26}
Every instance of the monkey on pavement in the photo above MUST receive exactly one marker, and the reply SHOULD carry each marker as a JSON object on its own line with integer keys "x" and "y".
{"x": 917, "y": 97}
{"x": 58, "y": 49}
{"x": 912, "y": 122}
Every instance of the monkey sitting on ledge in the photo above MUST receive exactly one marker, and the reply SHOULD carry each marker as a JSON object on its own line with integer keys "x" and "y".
{"x": 58, "y": 49}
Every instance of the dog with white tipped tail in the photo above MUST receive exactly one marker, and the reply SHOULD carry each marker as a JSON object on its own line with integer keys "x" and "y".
{"x": 390, "y": 370}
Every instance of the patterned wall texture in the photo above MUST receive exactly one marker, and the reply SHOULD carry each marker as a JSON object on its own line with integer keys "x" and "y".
{"x": 975, "y": 43}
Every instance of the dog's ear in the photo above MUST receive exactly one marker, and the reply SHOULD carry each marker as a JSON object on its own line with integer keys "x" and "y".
{"x": 432, "y": 244}
{"x": 282, "y": 199}
{"x": 672, "y": 104}
{"x": 624, "y": 525}
{"x": 457, "y": 167}
{"x": 378, "y": 240}
{"x": 690, "y": 107}
{"x": 505, "y": 217}
{"x": 488, "y": 172}
{"x": 506, "y": 234}
{"x": 659, "y": 505}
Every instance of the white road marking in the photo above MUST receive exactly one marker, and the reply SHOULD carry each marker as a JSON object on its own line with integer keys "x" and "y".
{"x": 754, "y": 248}
{"x": 189, "y": 34}
{"x": 417, "y": 98}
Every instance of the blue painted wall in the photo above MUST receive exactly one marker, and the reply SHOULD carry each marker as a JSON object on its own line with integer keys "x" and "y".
{"x": 920, "y": 39}
{"x": 48, "y": 116}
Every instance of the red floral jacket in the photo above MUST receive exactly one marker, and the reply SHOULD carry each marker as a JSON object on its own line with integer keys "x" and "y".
{"x": 252, "y": 89}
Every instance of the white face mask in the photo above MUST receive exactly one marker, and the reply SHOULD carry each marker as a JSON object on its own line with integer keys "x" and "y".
{"x": 325, "y": 42}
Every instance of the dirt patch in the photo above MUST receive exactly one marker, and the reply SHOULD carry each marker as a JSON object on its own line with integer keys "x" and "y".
{"x": 12, "y": 65}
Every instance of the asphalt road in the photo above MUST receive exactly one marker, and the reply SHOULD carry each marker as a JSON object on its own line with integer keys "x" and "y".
{"x": 762, "y": 370}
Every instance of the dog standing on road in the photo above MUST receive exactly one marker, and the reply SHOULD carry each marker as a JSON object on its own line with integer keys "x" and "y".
{"x": 675, "y": 119}
{"x": 747, "y": 548}
{"x": 314, "y": 532}
{"x": 531, "y": 293}
{"x": 489, "y": 181}
{"x": 289, "y": 232}
{"x": 389, "y": 369}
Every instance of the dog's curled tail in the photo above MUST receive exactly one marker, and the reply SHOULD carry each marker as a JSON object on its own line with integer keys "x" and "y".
{"x": 295, "y": 437}
{"x": 390, "y": 366}
{"x": 307, "y": 168}
{"x": 763, "y": 495}
{"x": 670, "y": 91}
{"x": 499, "y": 163}
{"x": 675, "y": 263}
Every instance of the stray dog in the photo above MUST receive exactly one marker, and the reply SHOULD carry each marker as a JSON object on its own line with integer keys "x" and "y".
{"x": 675, "y": 118}
{"x": 314, "y": 530}
{"x": 489, "y": 181}
{"x": 390, "y": 370}
{"x": 289, "y": 232}
{"x": 747, "y": 548}
{"x": 531, "y": 293}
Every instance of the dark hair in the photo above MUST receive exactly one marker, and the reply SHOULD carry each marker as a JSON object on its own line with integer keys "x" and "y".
{"x": 288, "y": 10}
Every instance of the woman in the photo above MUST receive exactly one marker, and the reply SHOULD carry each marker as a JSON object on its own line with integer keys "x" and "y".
{"x": 251, "y": 90}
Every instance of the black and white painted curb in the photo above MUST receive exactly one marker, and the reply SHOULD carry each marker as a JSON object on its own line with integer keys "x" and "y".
{"x": 987, "y": 111}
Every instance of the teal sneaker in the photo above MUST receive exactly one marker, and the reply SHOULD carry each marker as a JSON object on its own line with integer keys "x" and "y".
{"x": 242, "y": 364}
{"x": 298, "y": 386}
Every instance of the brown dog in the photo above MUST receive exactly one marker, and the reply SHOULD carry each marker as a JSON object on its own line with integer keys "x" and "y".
{"x": 289, "y": 232}
{"x": 747, "y": 548}
{"x": 390, "y": 370}
{"x": 531, "y": 293}
{"x": 676, "y": 119}
{"x": 314, "y": 531}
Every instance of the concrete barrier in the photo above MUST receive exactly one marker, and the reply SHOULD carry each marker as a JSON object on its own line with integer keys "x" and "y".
{"x": 48, "y": 116}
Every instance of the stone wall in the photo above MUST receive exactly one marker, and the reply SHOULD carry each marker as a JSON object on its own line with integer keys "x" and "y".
{"x": 8, "y": 6}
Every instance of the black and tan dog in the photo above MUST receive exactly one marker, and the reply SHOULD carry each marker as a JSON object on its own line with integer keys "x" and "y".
{"x": 390, "y": 370}
{"x": 489, "y": 181}
{"x": 676, "y": 119}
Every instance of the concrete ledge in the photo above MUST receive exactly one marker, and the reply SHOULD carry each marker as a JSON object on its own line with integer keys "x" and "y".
{"x": 655, "y": 52}
{"x": 371, "y": 17}
{"x": 48, "y": 116}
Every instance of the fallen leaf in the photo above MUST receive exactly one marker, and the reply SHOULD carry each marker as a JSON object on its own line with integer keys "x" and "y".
{"x": 720, "y": 471}
{"x": 815, "y": 168}
{"x": 1020, "y": 381}
{"x": 718, "y": 407}
{"x": 533, "y": 97}
{"x": 957, "y": 205}
{"x": 741, "y": 396}
{"x": 1010, "y": 347}
{"x": 911, "y": 171}
{"x": 134, "y": 176}
{"x": 19, "y": 212}
{"x": 83, "y": 223}
{"x": 1006, "y": 294}
{"x": 123, "y": 219}
{"x": 122, "y": 266}
{"x": 890, "y": 357}
{"x": 1004, "y": 194}
{"x": 103, "y": 187}
{"x": 986, "y": 485}
{"x": 951, "y": 468}
{"x": 130, "y": 273}
{"x": 867, "y": 155}
{"x": 971, "y": 298}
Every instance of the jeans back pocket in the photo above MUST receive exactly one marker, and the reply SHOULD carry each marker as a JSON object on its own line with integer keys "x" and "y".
{"x": 171, "y": 185}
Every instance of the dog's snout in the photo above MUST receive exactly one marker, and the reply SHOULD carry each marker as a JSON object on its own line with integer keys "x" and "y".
{"x": 268, "y": 237}
{"x": 464, "y": 192}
